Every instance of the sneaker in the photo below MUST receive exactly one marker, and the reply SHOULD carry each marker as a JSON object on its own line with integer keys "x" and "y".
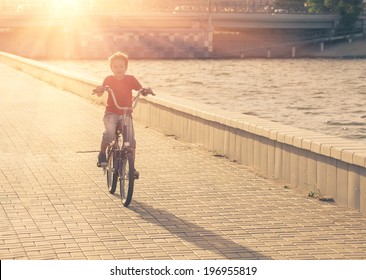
{"x": 102, "y": 160}
{"x": 136, "y": 174}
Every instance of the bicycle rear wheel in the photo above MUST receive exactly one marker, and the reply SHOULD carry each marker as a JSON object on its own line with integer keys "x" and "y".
{"x": 112, "y": 173}
{"x": 127, "y": 180}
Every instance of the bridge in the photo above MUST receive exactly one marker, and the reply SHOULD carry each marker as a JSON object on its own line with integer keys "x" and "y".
{"x": 155, "y": 35}
{"x": 218, "y": 21}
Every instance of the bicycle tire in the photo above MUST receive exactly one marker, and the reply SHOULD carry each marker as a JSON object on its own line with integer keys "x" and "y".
{"x": 127, "y": 179}
{"x": 112, "y": 173}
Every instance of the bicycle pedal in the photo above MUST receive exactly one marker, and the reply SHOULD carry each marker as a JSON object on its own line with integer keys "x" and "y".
{"x": 102, "y": 164}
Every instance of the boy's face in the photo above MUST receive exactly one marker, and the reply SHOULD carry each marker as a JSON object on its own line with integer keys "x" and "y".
{"x": 118, "y": 68}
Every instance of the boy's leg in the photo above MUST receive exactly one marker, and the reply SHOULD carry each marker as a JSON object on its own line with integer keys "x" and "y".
{"x": 110, "y": 122}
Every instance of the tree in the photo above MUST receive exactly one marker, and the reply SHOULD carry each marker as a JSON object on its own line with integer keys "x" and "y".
{"x": 315, "y": 6}
{"x": 349, "y": 10}
{"x": 291, "y": 5}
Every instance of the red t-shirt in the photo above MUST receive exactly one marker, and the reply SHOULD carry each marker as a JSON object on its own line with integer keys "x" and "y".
{"x": 122, "y": 90}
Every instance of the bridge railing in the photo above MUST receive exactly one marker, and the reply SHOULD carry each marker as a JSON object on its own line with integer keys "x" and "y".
{"x": 151, "y": 6}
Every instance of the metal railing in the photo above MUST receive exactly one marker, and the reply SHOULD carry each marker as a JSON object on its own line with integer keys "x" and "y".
{"x": 174, "y": 6}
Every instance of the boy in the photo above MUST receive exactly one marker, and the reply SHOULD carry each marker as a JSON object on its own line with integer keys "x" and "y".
{"x": 122, "y": 86}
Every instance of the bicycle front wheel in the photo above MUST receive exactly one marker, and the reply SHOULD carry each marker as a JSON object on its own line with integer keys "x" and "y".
{"x": 127, "y": 179}
{"x": 112, "y": 173}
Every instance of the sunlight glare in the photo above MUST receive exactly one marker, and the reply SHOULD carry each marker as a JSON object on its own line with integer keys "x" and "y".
{"x": 65, "y": 6}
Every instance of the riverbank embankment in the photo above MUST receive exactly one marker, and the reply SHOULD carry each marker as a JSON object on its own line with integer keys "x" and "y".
{"x": 345, "y": 48}
{"x": 329, "y": 167}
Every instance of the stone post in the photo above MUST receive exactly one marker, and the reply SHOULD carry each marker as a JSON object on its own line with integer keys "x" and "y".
{"x": 321, "y": 46}
{"x": 268, "y": 53}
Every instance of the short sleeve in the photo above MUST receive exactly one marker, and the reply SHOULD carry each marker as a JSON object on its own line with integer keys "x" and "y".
{"x": 136, "y": 84}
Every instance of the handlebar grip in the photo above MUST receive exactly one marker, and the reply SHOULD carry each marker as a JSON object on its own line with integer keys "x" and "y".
{"x": 101, "y": 89}
{"x": 146, "y": 91}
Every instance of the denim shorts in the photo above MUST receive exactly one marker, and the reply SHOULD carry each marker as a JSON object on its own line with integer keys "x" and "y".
{"x": 110, "y": 123}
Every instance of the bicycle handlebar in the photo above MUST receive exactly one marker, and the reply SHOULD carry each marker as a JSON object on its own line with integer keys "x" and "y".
{"x": 143, "y": 91}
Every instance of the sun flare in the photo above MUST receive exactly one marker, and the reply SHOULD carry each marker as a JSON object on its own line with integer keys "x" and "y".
{"x": 57, "y": 7}
{"x": 65, "y": 6}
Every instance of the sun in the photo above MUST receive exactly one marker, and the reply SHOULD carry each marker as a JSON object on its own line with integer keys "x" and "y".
{"x": 65, "y": 6}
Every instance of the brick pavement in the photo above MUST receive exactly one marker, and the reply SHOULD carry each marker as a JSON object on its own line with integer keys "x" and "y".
{"x": 188, "y": 203}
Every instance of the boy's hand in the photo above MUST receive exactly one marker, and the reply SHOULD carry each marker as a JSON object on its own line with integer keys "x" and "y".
{"x": 146, "y": 91}
{"x": 99, "y": 90}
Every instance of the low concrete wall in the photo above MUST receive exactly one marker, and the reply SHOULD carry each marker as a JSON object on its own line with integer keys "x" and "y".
{"x": 327, "y": 166}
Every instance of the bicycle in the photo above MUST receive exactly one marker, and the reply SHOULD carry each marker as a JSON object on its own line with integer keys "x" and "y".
{"x": 120, "y": 163}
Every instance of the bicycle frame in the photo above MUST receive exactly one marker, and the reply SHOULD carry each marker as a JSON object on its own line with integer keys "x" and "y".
{"x": 119, "y": 146}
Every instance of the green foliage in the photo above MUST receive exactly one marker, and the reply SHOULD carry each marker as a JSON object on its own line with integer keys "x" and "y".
{"x": 315, "y": 6}
{"x": 292, "y": 5}
{"x": 349, "y": 10}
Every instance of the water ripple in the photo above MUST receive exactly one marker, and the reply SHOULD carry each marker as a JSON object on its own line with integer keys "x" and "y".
{"x": 345, "y": 123}
{"x": 301, "y": 92}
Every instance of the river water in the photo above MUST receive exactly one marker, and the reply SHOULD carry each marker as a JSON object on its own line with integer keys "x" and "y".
{"x": 323, "y": 95}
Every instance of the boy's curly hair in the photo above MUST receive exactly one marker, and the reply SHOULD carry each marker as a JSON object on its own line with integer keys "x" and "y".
{"x": 118, "y": 55}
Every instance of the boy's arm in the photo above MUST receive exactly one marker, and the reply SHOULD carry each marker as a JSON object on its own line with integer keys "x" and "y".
{"x": 99, "y": 90}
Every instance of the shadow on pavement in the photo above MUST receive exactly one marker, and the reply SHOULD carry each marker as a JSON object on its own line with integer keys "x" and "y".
{"x": 193, "y": 233}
